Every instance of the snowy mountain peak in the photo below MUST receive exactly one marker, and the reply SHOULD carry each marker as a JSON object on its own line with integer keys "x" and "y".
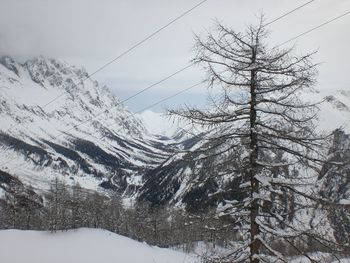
{"x": 54, "y": 71}
{"x": 54, "y": 89}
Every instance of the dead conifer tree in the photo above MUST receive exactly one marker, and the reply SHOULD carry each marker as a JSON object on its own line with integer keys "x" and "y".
{"x": 262, "y": 115}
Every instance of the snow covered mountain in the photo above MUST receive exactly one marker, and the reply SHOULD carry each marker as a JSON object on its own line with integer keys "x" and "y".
{"x": 57, "y": 122}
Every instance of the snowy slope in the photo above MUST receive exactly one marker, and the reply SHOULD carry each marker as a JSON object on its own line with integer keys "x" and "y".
{"x": 83, "y": 245}
{"x": 57, "y": 122}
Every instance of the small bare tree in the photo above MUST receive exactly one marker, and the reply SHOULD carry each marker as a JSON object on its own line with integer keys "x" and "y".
{"x": 261, "y": 115}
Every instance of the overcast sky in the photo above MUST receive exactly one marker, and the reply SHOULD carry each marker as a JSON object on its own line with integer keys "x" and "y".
{"x": 92, "y": 32}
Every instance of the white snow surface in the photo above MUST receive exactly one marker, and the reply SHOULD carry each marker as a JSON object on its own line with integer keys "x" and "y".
{"x": 82, "y": 245}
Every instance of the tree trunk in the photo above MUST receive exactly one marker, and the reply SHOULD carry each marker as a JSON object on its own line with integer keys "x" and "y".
{"x": 254, "y": 227}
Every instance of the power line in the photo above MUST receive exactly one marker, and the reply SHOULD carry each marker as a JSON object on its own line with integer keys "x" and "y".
{"x": 291, "y": 39}
{"x": 182, "y": 69}
{"x": 160, "y": 101}
{"x": 170, "y": 97}
{"x": 143, "y": 109}
{"x": 269, "y": 23}
{"x": 288, "y": 13}
{"x": 114, "y": 106}
{"x": 148, "y": 37}
{"x": 123, "y": 54}
{"x": 130, "y": 97}
{"x": 127, "y": 99}
{"x": 314, "y": 28}
{"x": 138, "y": 44}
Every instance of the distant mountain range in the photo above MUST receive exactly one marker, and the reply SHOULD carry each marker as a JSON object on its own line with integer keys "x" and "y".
{"x": 56, "y": 122}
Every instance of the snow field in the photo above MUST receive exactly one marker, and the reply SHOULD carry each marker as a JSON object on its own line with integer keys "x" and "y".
{"x": 82, "y": 246}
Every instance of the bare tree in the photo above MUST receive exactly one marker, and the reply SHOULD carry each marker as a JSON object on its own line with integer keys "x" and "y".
{"x": 261, "y": 115}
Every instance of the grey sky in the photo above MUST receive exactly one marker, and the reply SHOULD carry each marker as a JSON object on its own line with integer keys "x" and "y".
{"x": 92, "y": 32}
